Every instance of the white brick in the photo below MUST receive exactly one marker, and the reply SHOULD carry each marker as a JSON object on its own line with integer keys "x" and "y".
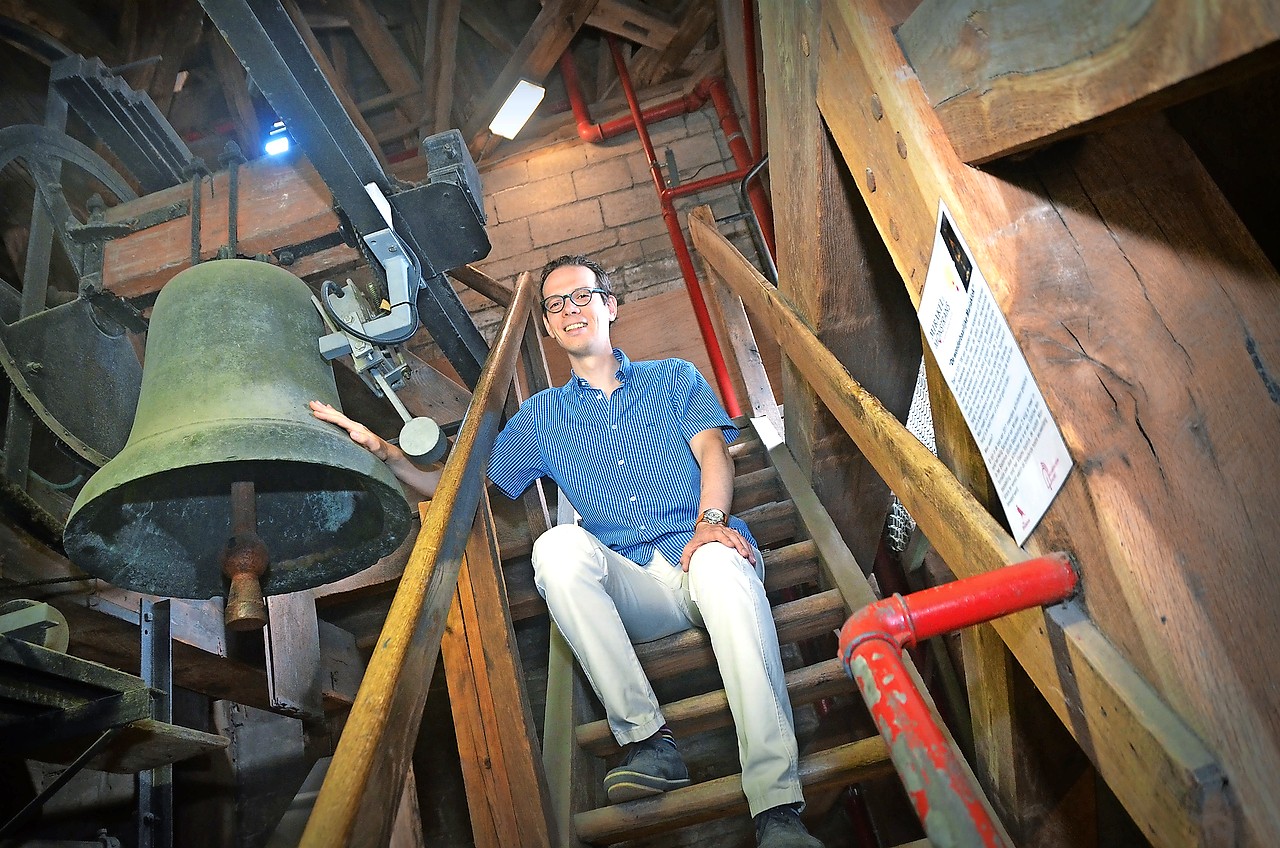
{"x": 509, "y": 239}
{"x": 533, "y": 198}
{"x": 633, "y": 204}
{"x": 505, "y": 176}
{"x": 588, "y": 245}
{"x": 558, "y": 160}
{"x": 566, "y": 222}
{"x": 602, "y": 177}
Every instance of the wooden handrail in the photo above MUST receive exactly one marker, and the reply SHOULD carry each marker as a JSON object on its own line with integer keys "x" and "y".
{"x": 358, "y": 798}
{"x": 1069, "y": 659}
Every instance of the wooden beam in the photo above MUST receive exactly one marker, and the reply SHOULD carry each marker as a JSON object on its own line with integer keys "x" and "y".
{"x": 235, "y": 90}
{"x": 344, "y": 96}
{"x": 439, "y": 60}
{"x": 833, "y": 266}
{"x": 480, "y": 15}
{"x": 1146, "y": 313}
{"x": 1116, "y": 717}
{"x": 283, "y": 201}
{"x": 653, "y": 65}
{"x": 373, "y": 755}
{"x": 634, "y": 21}
{"x": 383, "y": 50}
{"x": 501, "y": 762}
{"x": 1005, "y": 77}
{"x": 534, "y": 58}
{"x": 67, "y": 23}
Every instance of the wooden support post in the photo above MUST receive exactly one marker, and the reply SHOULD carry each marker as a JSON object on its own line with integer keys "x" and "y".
{"x": 832, "y": 265}
{"x": 1168, "y": 780}
{"x": 1146, "y": 314}
{"x": 501, "y": 764}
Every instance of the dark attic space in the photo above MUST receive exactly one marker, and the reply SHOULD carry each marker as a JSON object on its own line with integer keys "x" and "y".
{"x": 642, "y": 423}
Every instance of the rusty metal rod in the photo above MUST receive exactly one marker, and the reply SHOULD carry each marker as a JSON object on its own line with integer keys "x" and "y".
{"x": 941, "y": 789}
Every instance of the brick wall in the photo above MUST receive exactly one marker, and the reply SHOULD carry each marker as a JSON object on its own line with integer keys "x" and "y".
{"x": 599, "y": 199}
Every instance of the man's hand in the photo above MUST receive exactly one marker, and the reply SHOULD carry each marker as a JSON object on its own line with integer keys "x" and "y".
{"x": 360, "y": 434}
{"x": 722, "y": 533}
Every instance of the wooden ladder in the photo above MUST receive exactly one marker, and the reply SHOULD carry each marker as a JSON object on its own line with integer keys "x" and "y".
{"x": 802, "y": 551}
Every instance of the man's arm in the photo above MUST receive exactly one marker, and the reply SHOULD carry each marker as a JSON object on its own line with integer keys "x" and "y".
{"x": 421, "y": 481}
{"x": 712, "y": 455}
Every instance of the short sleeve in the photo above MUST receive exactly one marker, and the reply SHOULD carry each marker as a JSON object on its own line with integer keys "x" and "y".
{"x": 696, "y": 406}
{"x": 516, "y": 460}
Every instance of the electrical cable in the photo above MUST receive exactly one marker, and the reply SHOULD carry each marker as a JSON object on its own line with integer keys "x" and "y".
{"x": 329, "y": 286}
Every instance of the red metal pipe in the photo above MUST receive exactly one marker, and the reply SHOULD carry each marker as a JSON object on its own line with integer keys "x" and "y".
{"x": 595, "y": 133}
{"x": 871, "y": 641}
{"x": 683, "y": 258}
{"x": 742, "y": 157}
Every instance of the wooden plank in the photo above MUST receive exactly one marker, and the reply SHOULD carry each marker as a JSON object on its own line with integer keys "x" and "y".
{"x": 1157, "y": 741}
{"x": 482, "y": 17}
{"x": 832, "y": 266}
{"x": 710, "y": 710}
{"x": 389, "y": 61}
{"x": 496, "y": 290}
{"x": 407, "y": 830}
{"x": 439, "y": 48}
{"x": 1005, "y": 77}
{"x": 344, "y": 96}
{"x": 505, "y": 777}
{"x": 653, "y": 65}
{"x": 292, "y": 648}
{"x": 282, "y": 202}
{"x": 713, "y": 799}
{"x": 372, "y": 756}
{"x": 633, "y": 21}
{"x": 235, "y": 90}
{"x": 1144, "y": 310}
{"x": 536, "y": 55}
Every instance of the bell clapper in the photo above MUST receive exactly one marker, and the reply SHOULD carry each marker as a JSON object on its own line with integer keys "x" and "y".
{"x": 244, "y": 560}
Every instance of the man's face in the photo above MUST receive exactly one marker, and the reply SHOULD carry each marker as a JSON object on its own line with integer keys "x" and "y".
{"x": 580, "y": 330}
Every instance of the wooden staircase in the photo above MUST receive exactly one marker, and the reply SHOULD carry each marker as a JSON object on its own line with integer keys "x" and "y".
{"x": 807, "y": 608}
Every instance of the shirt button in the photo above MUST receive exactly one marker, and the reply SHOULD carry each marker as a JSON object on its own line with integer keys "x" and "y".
{"x": 622, "y": 462}
{"x": 615, "y": 426}
{"x": 642, "y": 527}
{"x": 633, "y": 498}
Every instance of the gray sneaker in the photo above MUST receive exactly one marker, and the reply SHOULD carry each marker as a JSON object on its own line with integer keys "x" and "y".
{"x": 652, "y": 766}
{"x": 780, "y": 827}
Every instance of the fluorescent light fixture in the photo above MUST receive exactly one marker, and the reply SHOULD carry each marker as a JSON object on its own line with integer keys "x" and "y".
{"x": 277, "y": 140}
{"x": 511, "y": 118}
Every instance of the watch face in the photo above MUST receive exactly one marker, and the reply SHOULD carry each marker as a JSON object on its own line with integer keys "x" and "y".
{"x": 713, "y": 516}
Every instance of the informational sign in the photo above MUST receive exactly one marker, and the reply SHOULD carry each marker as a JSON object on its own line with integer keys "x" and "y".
{"x": 987, "y": 374}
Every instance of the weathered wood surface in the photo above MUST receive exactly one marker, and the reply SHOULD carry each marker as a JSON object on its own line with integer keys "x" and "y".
{"x": 372, "y": 757}
{"x": 1120, "y": 721}
{"x": 497, "y": 742}
{"x": 1005, "y": 76}
{"x": 834, "y": 268}
{"x": 536, "y": 55}
{"x": 1146, "y": 313}
{"x": 283, "y": 202}
{"x": 713, "y": 799}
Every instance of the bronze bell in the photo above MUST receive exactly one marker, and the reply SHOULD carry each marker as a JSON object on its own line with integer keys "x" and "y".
{"x": 225, "y": 470}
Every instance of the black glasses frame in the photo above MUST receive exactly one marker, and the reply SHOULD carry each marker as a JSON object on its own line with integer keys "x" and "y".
{"x": 554, "y": 303}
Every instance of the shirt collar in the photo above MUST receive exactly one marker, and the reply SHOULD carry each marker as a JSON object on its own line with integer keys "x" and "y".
{"x": 623, "y": 373}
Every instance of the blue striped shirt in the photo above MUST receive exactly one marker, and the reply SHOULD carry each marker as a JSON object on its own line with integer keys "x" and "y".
{"x": 623, "y": 461}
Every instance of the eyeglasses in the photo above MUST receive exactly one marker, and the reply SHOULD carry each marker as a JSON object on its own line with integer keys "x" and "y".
{"x": 580, "y": 297}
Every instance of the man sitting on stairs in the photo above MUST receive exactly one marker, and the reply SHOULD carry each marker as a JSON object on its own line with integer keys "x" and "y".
{"x": 640, "y": 450}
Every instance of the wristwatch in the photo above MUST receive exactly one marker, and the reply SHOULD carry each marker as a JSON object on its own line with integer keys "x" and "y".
{"x": 712, "y": 516}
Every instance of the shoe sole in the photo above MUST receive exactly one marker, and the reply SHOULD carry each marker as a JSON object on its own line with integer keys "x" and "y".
{"x": 632, "y": 786}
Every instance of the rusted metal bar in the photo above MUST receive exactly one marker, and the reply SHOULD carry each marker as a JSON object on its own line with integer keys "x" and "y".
{"x": 946, "y": 798}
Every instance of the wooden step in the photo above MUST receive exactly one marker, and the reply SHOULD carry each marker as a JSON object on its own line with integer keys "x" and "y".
{"x": 711, "y": 710}
{"x": 714, "y": 799}
{"x": 755, "y": 488}
{"x": 689, "y": 649}
{"x": 772, "y": 524}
